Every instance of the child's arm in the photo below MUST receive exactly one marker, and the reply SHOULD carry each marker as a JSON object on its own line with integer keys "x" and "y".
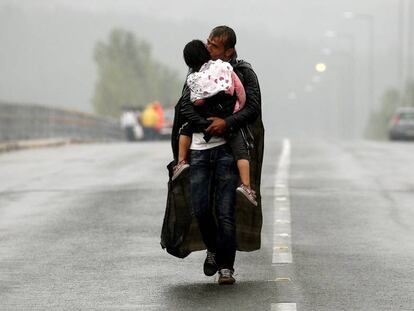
{"x": 188, "y": 112}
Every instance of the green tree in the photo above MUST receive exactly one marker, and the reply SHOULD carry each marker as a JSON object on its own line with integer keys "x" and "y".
{"x": 408, "y": 98}
{"x": 127, "y": 74}
{"x": 379, "y": 119}
{"x": 378, "y": 122}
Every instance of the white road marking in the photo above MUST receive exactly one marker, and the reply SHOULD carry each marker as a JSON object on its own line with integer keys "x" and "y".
{"x": 283, "y": 235}
{"x": 283, "y": 307}
{"x": 282, "y": 221}
{"x": 282, "y": 243}
{"x": 282, "y": 229}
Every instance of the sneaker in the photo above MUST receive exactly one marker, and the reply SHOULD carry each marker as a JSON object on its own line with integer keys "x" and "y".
{"x": 226, "y": 277}
{"x": 210, "y": 266}
{"x": 248, "y": 193}
{"x": 179, "y": 168}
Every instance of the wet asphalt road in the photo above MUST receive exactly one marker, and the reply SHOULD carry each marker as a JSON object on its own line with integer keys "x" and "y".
{"x": 80, "y": 227}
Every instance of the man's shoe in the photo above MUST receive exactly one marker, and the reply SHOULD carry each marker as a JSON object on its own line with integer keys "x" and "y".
{"x": 226, "y": 277}
{"x": 179, "y": 168}
{"x": 248, "y": 193}
{"x": 210, "y": 266}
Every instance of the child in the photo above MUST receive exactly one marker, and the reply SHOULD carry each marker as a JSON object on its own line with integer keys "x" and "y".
{"x": 207, "y": 79}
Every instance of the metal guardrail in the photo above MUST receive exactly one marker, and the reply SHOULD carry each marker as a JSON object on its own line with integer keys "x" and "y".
{"x": 26, "y": 122}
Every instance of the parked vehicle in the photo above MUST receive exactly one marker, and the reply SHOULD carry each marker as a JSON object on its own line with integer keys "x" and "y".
{"x": 402, "y": 124}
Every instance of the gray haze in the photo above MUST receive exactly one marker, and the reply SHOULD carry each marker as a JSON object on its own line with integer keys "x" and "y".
{"x": 46, "y": 51}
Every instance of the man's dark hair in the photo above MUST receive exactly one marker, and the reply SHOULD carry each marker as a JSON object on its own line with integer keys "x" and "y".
{"x": 196, "y": 54}
{"x": 226, "y": 34}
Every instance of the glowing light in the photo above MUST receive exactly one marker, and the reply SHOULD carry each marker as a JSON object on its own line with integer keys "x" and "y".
{"x": 320, "y": 67}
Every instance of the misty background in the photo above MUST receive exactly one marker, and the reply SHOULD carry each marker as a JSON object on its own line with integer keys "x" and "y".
{"x": 47, "y": 52}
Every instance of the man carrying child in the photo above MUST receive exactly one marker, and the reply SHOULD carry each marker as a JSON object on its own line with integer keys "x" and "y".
{"x": 213, "y": 169}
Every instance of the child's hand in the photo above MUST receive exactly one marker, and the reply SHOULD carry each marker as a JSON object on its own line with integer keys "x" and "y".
{"x": 199, "y": 102}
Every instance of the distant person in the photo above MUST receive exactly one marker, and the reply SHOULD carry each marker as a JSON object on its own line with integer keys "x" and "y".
{"x": 128, "y": 123}
{"x": 208, "y": 78}
{"x": 160, "y": 117}
{"x": 149, "y": 120}
{"x": 138, "y": 131}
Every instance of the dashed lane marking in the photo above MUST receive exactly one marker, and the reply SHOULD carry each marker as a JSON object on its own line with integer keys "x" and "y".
{"x": 283, "y": 307}
{"x": 282, "y": 242}
{"x": 282, "y": 254}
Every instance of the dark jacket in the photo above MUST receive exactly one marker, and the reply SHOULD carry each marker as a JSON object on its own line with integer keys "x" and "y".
{"x": 180, "y": 234}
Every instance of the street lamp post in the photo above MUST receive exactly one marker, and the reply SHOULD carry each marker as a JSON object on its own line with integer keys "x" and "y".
{"x": 405, "y": 43}
{"x": 370, "y": 21}
{"x": 410, "y": 41}
{"x": 401, "y": 46}
{"x": 351, "y": 105}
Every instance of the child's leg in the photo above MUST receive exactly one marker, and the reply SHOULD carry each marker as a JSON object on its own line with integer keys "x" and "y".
{"x": 244, "y": 171}
{"x": 241, "y": 155}
{"x": 184, "y": 143}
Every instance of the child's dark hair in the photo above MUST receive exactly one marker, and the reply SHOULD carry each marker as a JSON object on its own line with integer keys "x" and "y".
{"x": 196, "y": 54}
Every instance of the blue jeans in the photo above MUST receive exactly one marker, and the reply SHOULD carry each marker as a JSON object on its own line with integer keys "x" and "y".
{"x": 214, "y": 178}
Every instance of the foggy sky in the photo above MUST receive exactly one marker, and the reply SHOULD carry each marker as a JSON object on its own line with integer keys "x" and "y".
{"x": 46, "y": 46}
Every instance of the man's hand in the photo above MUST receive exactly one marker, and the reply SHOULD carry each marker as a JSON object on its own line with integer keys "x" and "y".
{"x": 217, "y": 127}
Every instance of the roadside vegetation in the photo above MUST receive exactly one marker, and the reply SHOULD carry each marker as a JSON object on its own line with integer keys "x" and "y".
{"x": 128, "y": 75}
{"x": 377, "y": 127}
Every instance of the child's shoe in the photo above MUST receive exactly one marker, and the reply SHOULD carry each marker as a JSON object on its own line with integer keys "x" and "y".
{"x": 248, "y": 193}
{"x": 179, "y": 168}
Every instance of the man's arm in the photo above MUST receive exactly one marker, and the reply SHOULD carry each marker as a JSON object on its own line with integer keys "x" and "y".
{"x": 247, "y": 115}
{"x": 253, "y": 108}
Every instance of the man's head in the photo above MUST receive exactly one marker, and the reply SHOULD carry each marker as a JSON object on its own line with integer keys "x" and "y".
{"x": 221, "y": 43}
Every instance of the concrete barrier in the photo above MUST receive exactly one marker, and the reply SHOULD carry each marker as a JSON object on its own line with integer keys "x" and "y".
{"x": 32, "y": 144}
{"x": 27, "y": 122}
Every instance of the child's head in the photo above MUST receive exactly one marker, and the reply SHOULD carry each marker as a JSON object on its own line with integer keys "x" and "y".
{"x": 196, "y": 54}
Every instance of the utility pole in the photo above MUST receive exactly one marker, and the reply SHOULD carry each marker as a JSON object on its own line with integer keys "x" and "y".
{"x": 410, "y": 41}
{"x": 370, "y": 20}
{"x": 400, "y": 53}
